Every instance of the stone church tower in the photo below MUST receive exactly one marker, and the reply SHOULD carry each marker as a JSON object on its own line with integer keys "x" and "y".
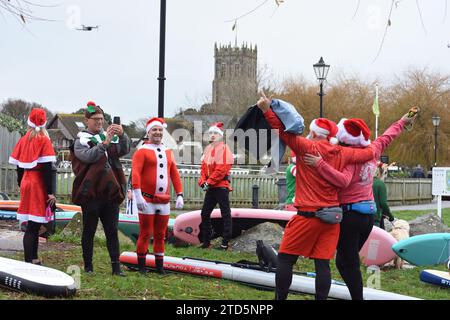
{"x": 235, "y": 85}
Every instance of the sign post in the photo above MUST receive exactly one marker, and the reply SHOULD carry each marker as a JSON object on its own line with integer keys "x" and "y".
{"x": 440, "y": 186}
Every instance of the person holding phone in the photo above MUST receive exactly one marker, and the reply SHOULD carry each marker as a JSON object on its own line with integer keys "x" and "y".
{"x": 99, "y": 186}
{"x": 34, "y": 155}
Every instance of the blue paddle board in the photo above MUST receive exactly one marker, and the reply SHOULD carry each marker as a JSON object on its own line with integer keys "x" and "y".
{"x": 425, "y": 249}
{"x": 439, "y": 278}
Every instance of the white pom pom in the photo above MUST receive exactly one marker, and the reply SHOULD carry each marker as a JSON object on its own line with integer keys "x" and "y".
{"x": 37, "y": 129}
{"x": 334, "y": 140}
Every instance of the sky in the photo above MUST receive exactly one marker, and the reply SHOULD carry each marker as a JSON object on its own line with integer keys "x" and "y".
{"x": 54, "y": 64}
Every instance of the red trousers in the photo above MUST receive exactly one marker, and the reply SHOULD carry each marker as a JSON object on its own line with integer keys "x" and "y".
{"x": 151, "y": 224}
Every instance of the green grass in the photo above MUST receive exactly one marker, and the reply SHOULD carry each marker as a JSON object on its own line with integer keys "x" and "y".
{"x": 101, "y": 285}
{"x": 409, "y": 215}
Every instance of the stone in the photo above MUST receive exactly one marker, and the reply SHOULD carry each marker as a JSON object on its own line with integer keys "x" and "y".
{"x": 75, "y": 228}
{"x": 270, "y": 233}
{"x": 428, "y": 223}
{"x": 11, "y": 240}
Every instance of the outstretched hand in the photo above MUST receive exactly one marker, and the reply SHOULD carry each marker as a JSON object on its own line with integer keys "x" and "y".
{"x": 411, "y": 116}
{"x": 264, "y": 102}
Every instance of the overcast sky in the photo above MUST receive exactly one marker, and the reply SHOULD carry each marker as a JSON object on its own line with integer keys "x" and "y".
{"x": 117, "y": 66}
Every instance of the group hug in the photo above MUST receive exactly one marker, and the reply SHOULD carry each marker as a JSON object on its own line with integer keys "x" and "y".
{"x": 335, "y": 166}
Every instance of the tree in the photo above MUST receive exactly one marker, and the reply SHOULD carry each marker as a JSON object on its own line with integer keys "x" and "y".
{"x": 20, "y": 109}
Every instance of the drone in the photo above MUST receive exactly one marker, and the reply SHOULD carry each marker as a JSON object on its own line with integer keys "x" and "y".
{"x": 87, "y": 28}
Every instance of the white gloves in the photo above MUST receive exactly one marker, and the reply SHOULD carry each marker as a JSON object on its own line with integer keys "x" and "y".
{"x": 180, "y": 202}
{"x": 140, "y": 201}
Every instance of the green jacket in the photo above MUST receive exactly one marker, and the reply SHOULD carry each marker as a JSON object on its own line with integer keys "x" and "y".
{"x": 380, "y": 197}
{"x": 290, "y": 184}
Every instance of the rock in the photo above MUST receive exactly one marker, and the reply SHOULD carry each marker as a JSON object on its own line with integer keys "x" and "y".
{"x": 428, "y": 223}
{"x": 11, "y": 240}
{"x": 270, "y": 233}
{"x": 387, "y": 225}
{"x": 75, "y": 228}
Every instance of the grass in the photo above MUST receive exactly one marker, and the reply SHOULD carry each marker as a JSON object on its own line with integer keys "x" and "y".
{"x": 101, "y": 285}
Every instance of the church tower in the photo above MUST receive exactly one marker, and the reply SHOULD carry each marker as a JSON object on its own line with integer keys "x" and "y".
{"x": 235, "y": 85}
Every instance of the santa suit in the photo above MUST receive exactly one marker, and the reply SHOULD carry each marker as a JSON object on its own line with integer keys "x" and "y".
{"x": 153, "y": 167}
{"x": 30, "y": 155}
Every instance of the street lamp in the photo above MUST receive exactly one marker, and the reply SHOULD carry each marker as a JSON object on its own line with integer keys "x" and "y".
{"x": 162, "y": 60}
{"x": 436, "y": 121}
{"x": 321, "y": 70}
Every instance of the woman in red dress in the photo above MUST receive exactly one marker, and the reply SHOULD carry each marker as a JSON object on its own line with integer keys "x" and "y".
{"x": 33, "y": 155}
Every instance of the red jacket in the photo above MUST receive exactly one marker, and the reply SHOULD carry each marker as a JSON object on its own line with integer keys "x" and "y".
{"x": 314, "y": 192}
{"x": 217, "y": 161}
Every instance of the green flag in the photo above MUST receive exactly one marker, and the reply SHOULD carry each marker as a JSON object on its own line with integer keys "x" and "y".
{"x": 375, "y": 108}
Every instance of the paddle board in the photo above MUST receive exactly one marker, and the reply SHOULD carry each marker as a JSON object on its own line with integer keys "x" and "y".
{"x": 259, "y": 278}
{"x": 425, "y": 249}
{"x": 35, "y": 279}
{"x": 14, "y": 205}
{"x": 440, "y": 278}
{"x": 377, "y": 249}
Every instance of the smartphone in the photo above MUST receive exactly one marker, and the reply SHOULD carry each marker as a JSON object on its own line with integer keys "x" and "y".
{"x": 412, "y": 112}
{"x": 116, "y": 120}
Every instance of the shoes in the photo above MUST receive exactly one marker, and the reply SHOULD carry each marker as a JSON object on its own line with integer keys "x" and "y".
{"x": 88, "y": 268}
{"x": 160, "y": 266}
{"x": 141, "y": 265}
{"x": 205, "y": 245}
{"x": 116, "y": 269}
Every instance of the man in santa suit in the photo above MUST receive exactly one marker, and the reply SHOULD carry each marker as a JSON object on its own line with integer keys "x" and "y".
{"x": 34, "y": 156}
{"x": 217, "y": 161}
{"x": 153, "y": 167}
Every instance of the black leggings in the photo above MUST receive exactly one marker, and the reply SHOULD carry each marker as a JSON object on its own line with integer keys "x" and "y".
{"x": 283, "y": 278}
{"x": 31, "y": 241}
{"x": 212, "y": 197}
{"x": 355, "y": 229}
{"x": 108, "y": 213}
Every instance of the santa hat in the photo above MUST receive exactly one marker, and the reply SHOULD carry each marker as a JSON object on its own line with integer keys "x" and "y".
{"x": 37, "y": 119}
{"x": 217, "y": 128}
{"x": 353, "y": 132}
{"x": 325, "y": 128}
{"x": 293, "y": 156}
{"x": 155, "y": 122}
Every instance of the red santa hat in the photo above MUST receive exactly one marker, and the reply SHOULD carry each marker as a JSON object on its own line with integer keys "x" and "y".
{"x": 217, "y": 128}
{"x": 353, "y": 132}
{"x": 37, "y": 119}
{"x": 155, "y": 122}
{"x": 325, "y": 128}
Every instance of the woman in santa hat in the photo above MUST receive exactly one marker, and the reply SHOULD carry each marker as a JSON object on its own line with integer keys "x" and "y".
{"x": 217, "y": 161}
{"x": 309, "y": 233}
{"x": 33, "y": 155}
{"x": 153, "y": 167}
{"x": 355, "y": 194}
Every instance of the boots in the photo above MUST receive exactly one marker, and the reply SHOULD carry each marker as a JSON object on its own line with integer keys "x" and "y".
{"x": 141, "y": 265}
{"x": 116, "y": 269}
{"x": 88, "y": 267}
{"x": 159, "y": 265}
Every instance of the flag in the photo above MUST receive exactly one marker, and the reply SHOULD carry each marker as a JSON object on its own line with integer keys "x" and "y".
{"x": 375, "y": 108}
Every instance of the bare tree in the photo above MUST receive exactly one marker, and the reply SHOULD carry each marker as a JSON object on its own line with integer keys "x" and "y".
{"x": 20, "y": 109}
{"x": 22, "y": 10}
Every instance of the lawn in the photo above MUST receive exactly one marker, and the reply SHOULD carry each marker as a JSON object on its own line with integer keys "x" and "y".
{"x": 101, "y": 285}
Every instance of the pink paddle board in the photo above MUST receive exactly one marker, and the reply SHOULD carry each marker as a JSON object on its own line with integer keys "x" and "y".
{"x": 187, "y": 225}
{"x": 378, "y": 248}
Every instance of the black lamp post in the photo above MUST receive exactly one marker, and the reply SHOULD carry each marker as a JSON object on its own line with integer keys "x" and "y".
{"x": 436, "y": 121}
{"x": 162, "y": 53}
{"x": 321, "y": 70}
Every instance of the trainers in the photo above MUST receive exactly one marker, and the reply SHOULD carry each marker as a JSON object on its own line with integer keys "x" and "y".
{"x": 205, "y": 245}
{"x": 223, "y": 247}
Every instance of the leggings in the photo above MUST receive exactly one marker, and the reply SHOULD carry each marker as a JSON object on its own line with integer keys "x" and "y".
{"x": 151, "y": 224}
{"x": 31, "y": 241}
{"x": 355, "y": 229}
{"x": 283, "y": 278}
{"x": 212, "y": 197}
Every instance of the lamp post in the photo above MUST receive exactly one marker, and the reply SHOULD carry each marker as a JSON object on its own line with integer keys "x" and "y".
{"x": 321, "y": 70}
{"x": 162, "y": 53}
{"x": 436, "y": 121}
